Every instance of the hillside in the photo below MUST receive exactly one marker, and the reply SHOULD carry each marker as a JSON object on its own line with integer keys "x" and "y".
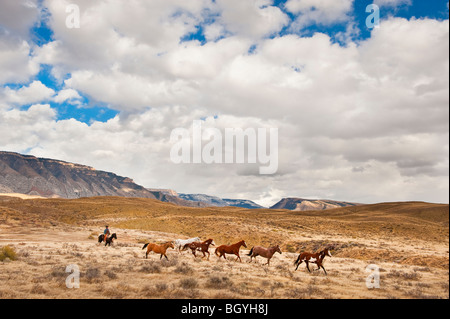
{"x": 214, "y": 201}
{"x": 52, "y": 178}
{"x": 301, "y": 204}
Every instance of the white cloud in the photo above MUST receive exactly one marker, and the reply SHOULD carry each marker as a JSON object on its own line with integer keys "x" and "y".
{"x": 18, "y": 16}
{"x": 66, "y": 95}
{"x": 252, "y": 18}
{"x": 16, "y": 65}
{"x": 324, "y": 12}
{"x": 33, "y": 93}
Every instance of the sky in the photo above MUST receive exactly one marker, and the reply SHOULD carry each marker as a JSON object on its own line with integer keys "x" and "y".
{"x": 362, "y": 112}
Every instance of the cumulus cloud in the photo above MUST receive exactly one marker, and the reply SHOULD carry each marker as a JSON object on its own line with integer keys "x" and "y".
{"x": 67, "y": 95}
{"x": 33, "y": 93}
{"x": 322, "y": 12}
{"x": 16, "y": 65}
{"x": 253, "y": 18}
{"x": 18, "y": 16}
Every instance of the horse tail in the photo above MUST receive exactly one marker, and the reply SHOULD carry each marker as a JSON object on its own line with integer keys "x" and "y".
{"x": 145, "y": 245}
{"x": 251, "y": 252}
{"x": 215, "y": 251}
{"x": 185, "y": 246}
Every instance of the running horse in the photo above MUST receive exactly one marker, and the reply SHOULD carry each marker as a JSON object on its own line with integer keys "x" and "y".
{"x": 203, "y": 247}
{"x": 181, "y": 243}
{"x": 316, "y": 258}
{"x": 263, "y": 252}
{"x": 230, "y": 249}
{"x": 159, "y": 249}
{"x": 108, "y": 240}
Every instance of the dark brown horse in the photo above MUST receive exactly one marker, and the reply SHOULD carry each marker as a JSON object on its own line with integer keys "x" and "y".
{"x": 159, "y": 249}
{"x": 316, "y": 258}
{"x": 230, "y": 249}
{"x": 263, "y": 252}
{"x": 203, "y": 247}
{"x": 108, "y": 240}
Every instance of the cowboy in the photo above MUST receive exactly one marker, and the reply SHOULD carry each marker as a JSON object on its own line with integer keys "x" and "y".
{"x": 106, "y": 232}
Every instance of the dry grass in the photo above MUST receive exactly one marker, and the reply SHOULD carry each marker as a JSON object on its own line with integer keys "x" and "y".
{"x": 408, "y": 241}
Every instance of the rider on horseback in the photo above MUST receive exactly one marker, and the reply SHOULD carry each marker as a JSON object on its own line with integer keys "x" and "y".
{"x": 106, "y": 232}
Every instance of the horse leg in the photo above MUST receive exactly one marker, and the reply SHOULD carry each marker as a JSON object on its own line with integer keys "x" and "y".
{"x": 307, "y": 265}
{"x": 298, "y": 264}
{"x": 324, "y": 270}
{"x": 166, "y": 256}
{"x": 238, "y": 257}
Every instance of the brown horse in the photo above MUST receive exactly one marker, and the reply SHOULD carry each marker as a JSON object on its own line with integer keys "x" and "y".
{"x": 316, "y": 258}
{"x": 263, "y": 252}
{"x": 203, "y": 247}
{"x": 159, "y": 249}
{"x": 230, "y": 249}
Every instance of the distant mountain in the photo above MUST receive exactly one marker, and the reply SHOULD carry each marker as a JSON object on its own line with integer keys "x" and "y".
{"x": 301, "y": 204}
{"x": 215, "y": 201}
{"x": 244, "y": 203}
{"x": 170, "y": 196}
{"x": 53, "y": 178}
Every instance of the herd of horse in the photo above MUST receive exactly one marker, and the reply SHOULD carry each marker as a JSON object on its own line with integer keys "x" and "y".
{"x": 196, "y": 245}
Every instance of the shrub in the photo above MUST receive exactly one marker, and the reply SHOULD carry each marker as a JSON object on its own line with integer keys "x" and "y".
{"x": 7, "y": 252}
{"x": 151, "y": 268}
{"x": 38, "y": 289}
{"x": 184, "y": 269}
{"x": 218, "y": 282}
{"x": 188, "y": 283}
{"x": 93, "y": 274}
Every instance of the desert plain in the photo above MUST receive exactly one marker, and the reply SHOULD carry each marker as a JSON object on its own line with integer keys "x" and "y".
{"x": 408, "y": 242}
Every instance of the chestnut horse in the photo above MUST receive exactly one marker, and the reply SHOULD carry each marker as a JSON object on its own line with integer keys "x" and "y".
{"x": 230, "y": 249}
{"x": 203, "y": 247}
{"x": 159, "y": 249}
{"x": 263, "y": 252}
{"x": 316, "y": 258}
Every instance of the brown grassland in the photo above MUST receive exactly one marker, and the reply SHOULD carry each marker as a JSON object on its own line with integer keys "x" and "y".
{"x": 409, "y": 242}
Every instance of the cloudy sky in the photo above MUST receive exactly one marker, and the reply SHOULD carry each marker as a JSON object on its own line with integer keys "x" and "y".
{"x": 362, "y": 113}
